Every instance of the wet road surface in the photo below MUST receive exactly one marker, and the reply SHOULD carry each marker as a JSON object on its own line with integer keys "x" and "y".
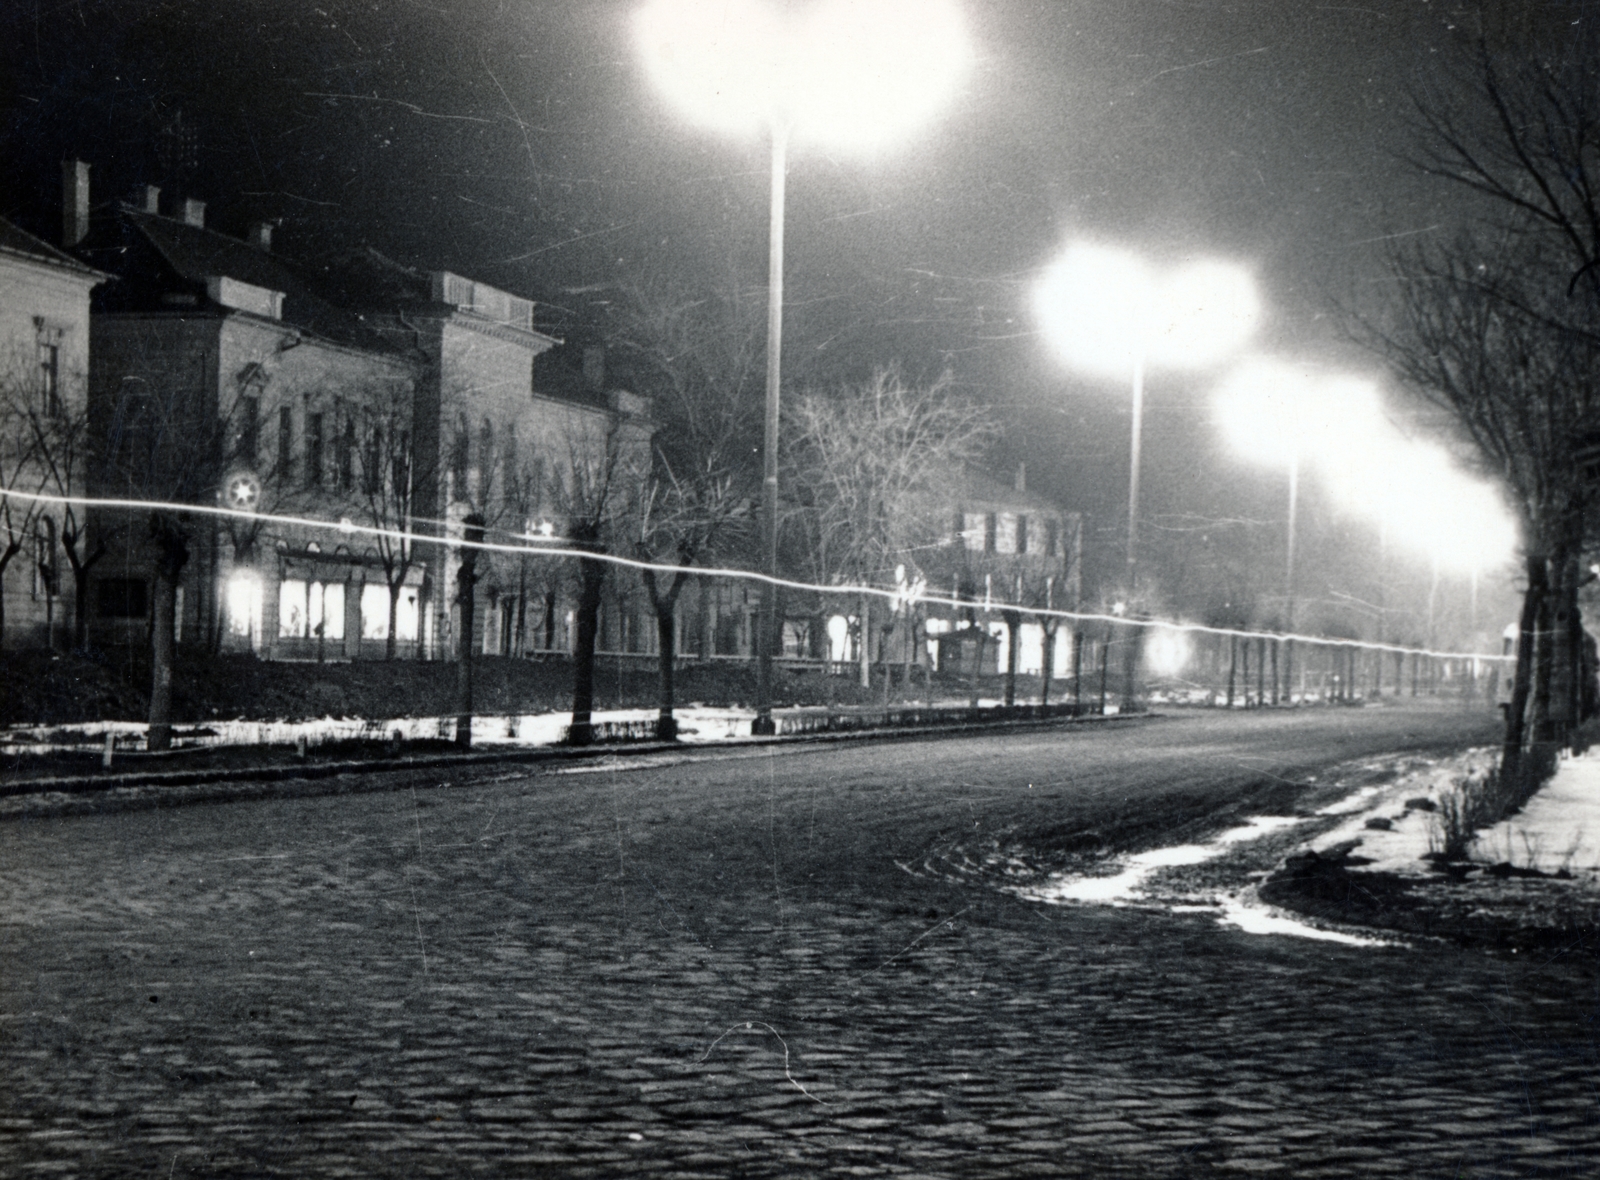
{"x": 721, "y": 967}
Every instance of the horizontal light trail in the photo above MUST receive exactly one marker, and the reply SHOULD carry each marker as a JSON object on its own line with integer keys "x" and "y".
{"x": 554, "y": 547}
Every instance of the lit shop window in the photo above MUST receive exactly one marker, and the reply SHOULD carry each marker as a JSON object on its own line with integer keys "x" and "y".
{"x": 309, "y": 609}
{"x": 244, "y": 605}
{"x": 375, "y": 613}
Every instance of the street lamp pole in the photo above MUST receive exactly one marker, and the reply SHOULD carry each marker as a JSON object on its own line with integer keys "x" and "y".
{"x": 1288, "y": 644}
{"x": 768, "y": 637}
{"x": 1133, "y": 473}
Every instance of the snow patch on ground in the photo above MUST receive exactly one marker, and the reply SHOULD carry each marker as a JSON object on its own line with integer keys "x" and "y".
{"x": 1559, "y": 828}
{"x": 1396, "y": 848}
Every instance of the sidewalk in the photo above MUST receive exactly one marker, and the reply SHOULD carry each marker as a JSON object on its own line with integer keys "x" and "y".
{"x": 1529, "y": 884}
{"x": 254, "y": 759}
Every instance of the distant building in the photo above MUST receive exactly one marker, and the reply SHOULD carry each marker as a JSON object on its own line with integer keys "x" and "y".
{"x": 1009, "y": 549}
{"x": 44, "y": 363}
{"x": 360, "y": 391}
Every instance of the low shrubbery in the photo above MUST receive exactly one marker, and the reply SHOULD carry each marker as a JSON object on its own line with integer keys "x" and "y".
{"x": 1477, "y": 801}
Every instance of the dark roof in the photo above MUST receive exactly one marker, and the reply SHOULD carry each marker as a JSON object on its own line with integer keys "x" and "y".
{"x": 21, "y": 242}
{"x": 193, "y": 254}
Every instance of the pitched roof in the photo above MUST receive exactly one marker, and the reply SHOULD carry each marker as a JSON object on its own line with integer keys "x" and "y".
{"x": 195, "y": 254}
{"x": 23, "y": 244}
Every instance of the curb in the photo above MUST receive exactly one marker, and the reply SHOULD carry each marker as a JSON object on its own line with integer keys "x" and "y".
{"x": 84, "y": 784}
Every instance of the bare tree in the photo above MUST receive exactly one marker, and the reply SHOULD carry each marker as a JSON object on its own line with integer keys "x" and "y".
{"x": 699, "y": 358}
{"x": 20, "y": 468}
{"x": 388, "y": 487}
{"x": 588, "y": 487}
{"x": 1499, "y": 326}
{"x": 679, "y": 522}
{"x": 868, "y": 466}
{"x": 160, "y": 446}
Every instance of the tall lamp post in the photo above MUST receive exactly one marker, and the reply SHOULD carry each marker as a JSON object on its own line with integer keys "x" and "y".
{"x": 854, "y": 74}
{"x": 1109, "y": 314}
{"x": 1275, "y": 412}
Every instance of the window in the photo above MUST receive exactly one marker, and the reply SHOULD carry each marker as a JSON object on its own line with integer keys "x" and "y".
{"x": 1005, "y": 533}
{"x": 1053, "y": 539}
{"x": 122, "y": 598}
{"x": 285, "y": 442}
{"x": 344, "y": 456}
{"x": 375, "y": 612}
{"x": 975, "y": 531}
{"x": 307, "y": 610}
{"x": 244, "y": 605}
{"x": 460, "y": 457}
{"x": 249, "y": 438}
{"x": 372, "y": 467}
{"x": 291, "y": 608}
{"x": 402, "y": 466}
{"x": 1023, "y": 540}
{"x": 50, "y": 373}
{"x": 314, "y": 449}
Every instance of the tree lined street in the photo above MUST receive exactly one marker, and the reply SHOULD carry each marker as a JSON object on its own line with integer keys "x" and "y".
{"x": 761, "y": 962}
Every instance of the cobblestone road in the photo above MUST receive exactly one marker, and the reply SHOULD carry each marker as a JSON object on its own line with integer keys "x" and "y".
{"x": 715, "y": 968}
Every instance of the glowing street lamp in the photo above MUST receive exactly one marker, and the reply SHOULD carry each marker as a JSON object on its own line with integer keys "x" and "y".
{"x": 853, "y": 74}
{"x": 1109, "y": 314}
{"x": 1278, "y": 413}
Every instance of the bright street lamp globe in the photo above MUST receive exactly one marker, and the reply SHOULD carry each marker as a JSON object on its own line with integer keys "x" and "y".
{"x": 854, "y": 74}
{"x": 1108, "y": 313}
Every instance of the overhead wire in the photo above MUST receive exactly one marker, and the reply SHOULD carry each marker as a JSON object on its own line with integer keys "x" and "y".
{"x": 554, "y": 547}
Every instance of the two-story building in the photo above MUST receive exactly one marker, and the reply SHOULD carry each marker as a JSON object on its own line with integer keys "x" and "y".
{"x": 328, "y": 427}
{"x": 44, "y": 364}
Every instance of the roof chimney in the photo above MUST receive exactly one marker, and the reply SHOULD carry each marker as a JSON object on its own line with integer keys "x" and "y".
{"x": 74, "y": 202}
{"x": 1022, "y": 477}
{"x": 194, "y": 212}
{"x": 594, "y": 366}
{"x": 261, "y": 235}
{"x": 148, "y": 198}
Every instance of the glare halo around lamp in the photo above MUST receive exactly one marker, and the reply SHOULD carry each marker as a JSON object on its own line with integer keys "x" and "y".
{"x": 1109, "y": 314}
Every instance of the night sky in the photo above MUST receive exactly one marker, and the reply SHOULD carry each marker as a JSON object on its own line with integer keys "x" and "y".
{"x": 518, "y": 142}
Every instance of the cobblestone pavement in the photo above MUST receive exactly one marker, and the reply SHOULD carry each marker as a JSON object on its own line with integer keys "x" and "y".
{"x": 715, "y": 968}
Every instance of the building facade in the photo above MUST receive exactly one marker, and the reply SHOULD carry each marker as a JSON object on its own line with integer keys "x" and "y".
{"x": 318, "y": 435}
{"x": 44, "y": 364}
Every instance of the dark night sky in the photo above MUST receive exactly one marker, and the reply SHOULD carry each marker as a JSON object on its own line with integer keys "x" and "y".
{"x": 517, "y": 141}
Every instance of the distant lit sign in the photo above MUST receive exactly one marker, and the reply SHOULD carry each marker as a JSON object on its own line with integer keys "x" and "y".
{"x": 241, "y": 491}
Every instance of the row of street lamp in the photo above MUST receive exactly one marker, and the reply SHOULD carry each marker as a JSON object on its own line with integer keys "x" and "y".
{"x": 858, "y": 75}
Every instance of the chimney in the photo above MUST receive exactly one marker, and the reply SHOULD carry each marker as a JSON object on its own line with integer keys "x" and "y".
{"x": 74, "y": 202}
{"x": 261, "y": 235}
{"x": 146, "y": 198}
{"x": 594, "y": 366}
{"x": 194, "y": 212}
{"x": 1022, "y": 477}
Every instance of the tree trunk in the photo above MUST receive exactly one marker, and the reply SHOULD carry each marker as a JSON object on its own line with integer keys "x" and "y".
{"x": 1013, "y": 622}
{"x": 389, "y": 644}
{"x": 665, "y": 606}
{"x": 865, "y": 643}
{"x": 1233, "y": 665}
{"x": 1522, "y": 676}
{"x": 1564, "y": 650}
{"x": 667, "y": 638}
{"x": 1105, "y": 665}
{"x": 591, "y": 580}
{"x": 1077, "y": 668}
{"x": 1244, "y": 668}
{"x": 1047, "y": 659}
{"x": 6, "y": 554}
{"x": 172, "y": 554}
{"x": 466, "y": 603}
